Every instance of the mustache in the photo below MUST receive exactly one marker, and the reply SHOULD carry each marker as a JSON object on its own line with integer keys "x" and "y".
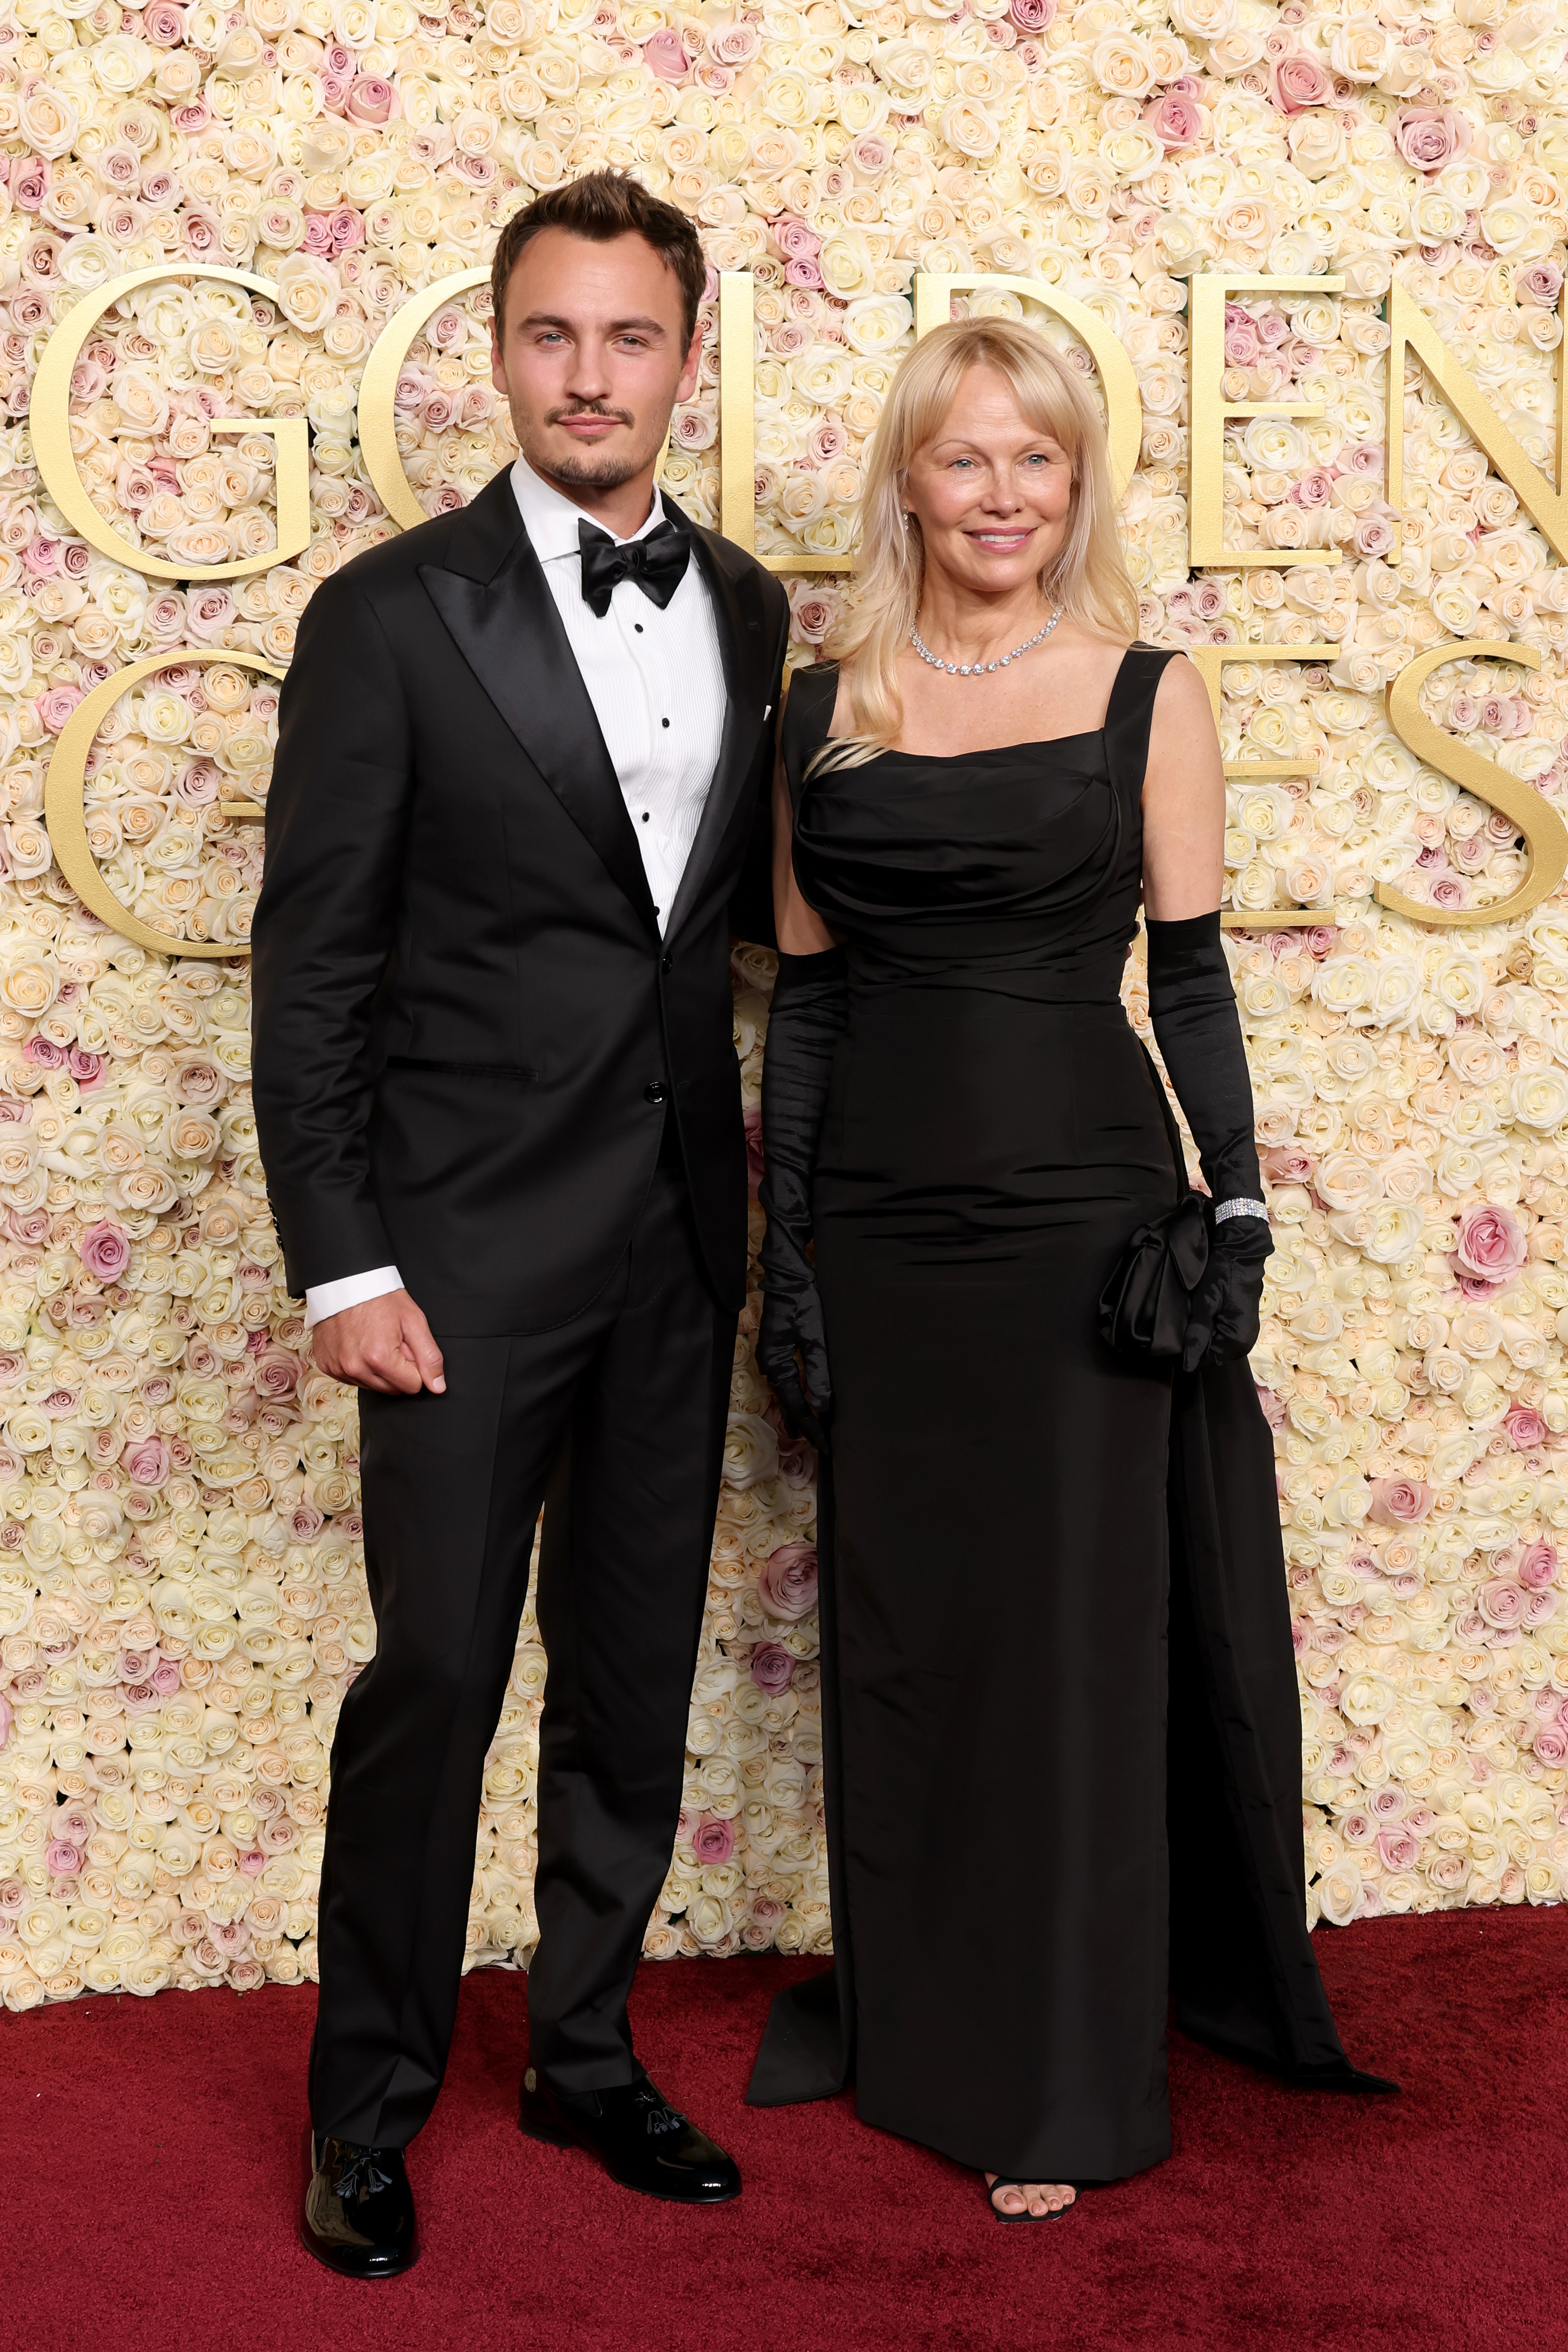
{"x": 587, "y": 408}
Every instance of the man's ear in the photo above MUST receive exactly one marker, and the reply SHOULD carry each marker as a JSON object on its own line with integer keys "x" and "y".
{"x": 690, "y": 366}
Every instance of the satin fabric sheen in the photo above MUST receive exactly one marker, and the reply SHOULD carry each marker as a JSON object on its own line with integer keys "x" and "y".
{"x": 996, "y": 1536}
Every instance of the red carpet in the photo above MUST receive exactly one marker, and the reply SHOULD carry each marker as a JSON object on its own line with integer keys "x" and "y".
{"x": 149, "y": 2155}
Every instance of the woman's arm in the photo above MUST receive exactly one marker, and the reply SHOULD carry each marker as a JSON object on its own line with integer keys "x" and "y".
{"x": 1184, "y": 801}
{"x": 1193, "y": 1006}
{"x": 811, "y": 1006}
{"x": 801, "y": 931}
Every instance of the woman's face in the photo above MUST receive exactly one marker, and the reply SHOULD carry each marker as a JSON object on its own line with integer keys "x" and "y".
{"x": 991, "y": 493}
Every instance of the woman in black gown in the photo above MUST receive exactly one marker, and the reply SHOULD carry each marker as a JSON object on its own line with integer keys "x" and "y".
{"x": 1022, "y": 1545}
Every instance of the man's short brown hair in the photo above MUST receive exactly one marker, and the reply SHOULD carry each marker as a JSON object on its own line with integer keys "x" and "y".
{"x": 600, "y": 207}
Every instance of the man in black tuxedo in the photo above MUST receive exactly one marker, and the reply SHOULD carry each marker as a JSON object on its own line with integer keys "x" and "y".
{"x": 521, "y": 768}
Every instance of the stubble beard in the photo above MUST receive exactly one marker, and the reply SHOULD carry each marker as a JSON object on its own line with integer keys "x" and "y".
{"x": 584, "y": 469}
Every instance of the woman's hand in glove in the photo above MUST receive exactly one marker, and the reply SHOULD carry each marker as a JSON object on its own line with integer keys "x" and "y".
{"x": 791, "y": 1326}
{"x": 1222, "y": 1321}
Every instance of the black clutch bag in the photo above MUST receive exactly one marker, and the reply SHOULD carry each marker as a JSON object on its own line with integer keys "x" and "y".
{"x": 1145, "y": 1305}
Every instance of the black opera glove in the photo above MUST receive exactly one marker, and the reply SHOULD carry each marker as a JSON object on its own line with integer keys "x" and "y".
{"x": 1191, "y": 1006}
{"x": 1223, "y": 1313}
{"x": 811, "y": 1008}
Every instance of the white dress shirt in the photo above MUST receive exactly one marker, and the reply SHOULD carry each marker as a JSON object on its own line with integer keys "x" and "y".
{"x": 655, "y": 679}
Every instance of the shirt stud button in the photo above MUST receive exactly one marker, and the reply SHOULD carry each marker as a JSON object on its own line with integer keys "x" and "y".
{"x": 664, "y": 722}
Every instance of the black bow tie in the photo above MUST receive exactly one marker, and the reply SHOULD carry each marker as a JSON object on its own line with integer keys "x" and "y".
{"x": 656, "y": 563}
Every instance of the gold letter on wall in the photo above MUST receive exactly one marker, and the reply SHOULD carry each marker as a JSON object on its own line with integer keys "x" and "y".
{"x": 378, "y": 393}
{"x": 1210, "y": 409}
{"x": 1545, "y": 834}
{"x": 49, "y": 424}
{"x": 1409, "y": 327}
{"x": 65, "y": 818}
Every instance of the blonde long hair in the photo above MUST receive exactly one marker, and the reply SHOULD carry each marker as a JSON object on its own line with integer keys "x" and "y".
{"x": 1086, "y": 579}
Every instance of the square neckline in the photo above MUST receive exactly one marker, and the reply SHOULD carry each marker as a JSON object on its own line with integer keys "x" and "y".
{"x": 1039, "y": 743}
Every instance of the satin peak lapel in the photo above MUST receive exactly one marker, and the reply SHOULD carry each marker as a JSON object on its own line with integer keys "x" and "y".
{"x": 744, "y": 650}
{"x": 509, "y": 631}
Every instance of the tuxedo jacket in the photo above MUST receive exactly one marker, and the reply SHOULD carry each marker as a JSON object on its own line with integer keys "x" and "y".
{"x": 469, "y": 1033}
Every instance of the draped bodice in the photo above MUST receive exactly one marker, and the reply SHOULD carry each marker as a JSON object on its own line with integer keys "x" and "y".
{"x": 1015, "y": 870}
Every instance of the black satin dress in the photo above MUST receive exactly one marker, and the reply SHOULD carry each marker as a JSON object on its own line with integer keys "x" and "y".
{"x": 1002, "y": 1497}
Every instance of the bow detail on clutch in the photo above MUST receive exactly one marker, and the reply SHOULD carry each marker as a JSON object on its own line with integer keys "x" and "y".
{"x": 656, "y": 563}
{"x": 1145, "y": 1304}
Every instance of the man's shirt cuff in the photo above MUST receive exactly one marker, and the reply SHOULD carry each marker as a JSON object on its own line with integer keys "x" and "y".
{"x": 324, "y": 1298}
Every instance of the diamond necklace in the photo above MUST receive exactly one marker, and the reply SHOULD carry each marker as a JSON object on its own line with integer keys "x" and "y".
{"x": 981, "y": 670}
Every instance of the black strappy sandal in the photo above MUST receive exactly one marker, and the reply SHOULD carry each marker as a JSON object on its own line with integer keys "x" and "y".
{"x": 1003, "y": 2180}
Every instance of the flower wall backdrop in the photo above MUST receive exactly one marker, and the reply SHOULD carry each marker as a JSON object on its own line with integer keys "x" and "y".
{"x": 181, "y": 1603}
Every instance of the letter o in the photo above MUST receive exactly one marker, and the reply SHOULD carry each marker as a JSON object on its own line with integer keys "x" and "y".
{"x": 65, "y": 815}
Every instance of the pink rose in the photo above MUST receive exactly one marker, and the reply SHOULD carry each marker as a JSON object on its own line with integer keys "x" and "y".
{"x": 804, "y": 271}
{"x": 1175, "y": 122}
{"x": 1538, "y": 1565}
{"x": 712, "y": 1841}
{"x": 105, "y": 1250}
{"x": 318, "y": 237}
{"x": 275, "y": 1371}
{"x": 1538, "y": 281}
{"x": 348, "y": 229}
{"x": 1287, "y": 1163}
{"x": 1490, "y": 1246}
{"x": 86, "y": 1068}
{"x": 1398, "y": 1849}
{"x": 1033, "y": 16}
{"x": 663, "y": 55}
{"x": 62, "y": 1859}
{"x": 55, "y": 704}
{"x": 1398, "y": 1502}
{"x": 209, "y": 611}
{"x": 7, "y": 1717}
{"x": 1551, "y": 1744}
{"x": 1273, "y": 1411}
{"x": 814, "y": 615}
{"x": 1527, "y": 1432}
{"x": 43, "y": 1053}
{"x": 1314, "y": 490}
{"x": 1501, "y": 1603}
{"x": 1243, "y": 345}
{"x": 147, "y": 1462}
{"x": 787, "y": 1580}
{"x": 1296, "y": 82}
{"x": 772, "y": 1668}
{"x": 29, "y": 176}
{"x": 1429, "y": 137}
{"x": 305, "y": 1523}
{"x": 252, "y": 1864}
{"x": 372, "y": 100}
{"x": 795, "y": 239}
{"x": 164, "y": 24}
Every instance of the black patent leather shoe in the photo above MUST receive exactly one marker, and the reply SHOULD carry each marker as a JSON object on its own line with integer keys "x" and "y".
{"x": 640, "y": 2139}
{"x": 359, "y": 2211}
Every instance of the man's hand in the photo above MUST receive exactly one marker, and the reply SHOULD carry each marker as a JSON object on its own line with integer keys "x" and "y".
{"x": 385, "y": 1344}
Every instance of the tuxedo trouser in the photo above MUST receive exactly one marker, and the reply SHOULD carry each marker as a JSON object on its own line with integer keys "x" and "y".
{"x": 615, "y": 1424}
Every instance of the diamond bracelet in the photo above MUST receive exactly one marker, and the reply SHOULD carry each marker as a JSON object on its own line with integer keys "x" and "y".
{"x": 1241, "y": 1208}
